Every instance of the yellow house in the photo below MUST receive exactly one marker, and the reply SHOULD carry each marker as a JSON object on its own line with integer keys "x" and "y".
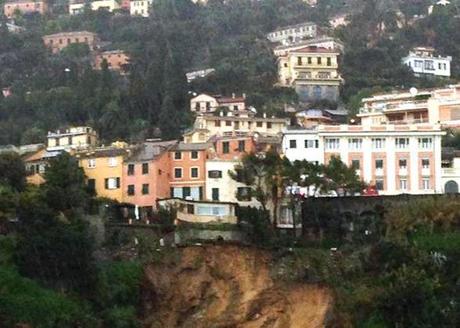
{"x": 104, "y": 170}
{"x": 80, "y": 137}
{"x": 312, "y": 71}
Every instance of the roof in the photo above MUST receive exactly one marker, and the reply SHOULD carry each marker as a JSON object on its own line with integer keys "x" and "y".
{"x": 104, "y": 152}
{"x": 293, "y": 26}
{"x": 150, "y": 150}
{"x": 230, "y": 99}
{"x": 313, "y": 49}
{"x": 73, "y": 33}
{"x": 240, "y": 118}
{"x": 192, "y": 146}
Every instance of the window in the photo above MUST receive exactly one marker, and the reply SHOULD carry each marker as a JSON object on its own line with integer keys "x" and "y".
{"x": 177, "y": 155}
{"x": 403, "y": 163}
{"x": 329, "y": 62}
{"x": 194, "y": 172}
{"x": 355, "y": 164}
{"x": 299, "y": 61}
{"x": 319, "y": 60}
{"x": 259, "y": 124}
{"x": 425, "y": 163}
{"x": 243, "y": 193}
{"x": 429, "y": 65}
{"x": 112, "y": 183}
{"x": 145, "y": 189}
{"x": 332, "y": 143}
{"x": 197, "y": 107}
{"x": 145, "y": 168}
{"x": 418, "y": 63}
{"x": 91, "y": 163}
{"x": 269, "y": 125}
{"x": 225, "y": 147}
{"x": 403, "y": 184}
{"x": 379, "y": 184}
{"x": 208, "y": 106}
{"x": 241, "y": 145}
{"x": 112, "y": 162}
{"x": 311, "y": 143}
{"x": 309, "y": 60}
{"x": 194, "y": 154}
{"x": 217, "y": 123}
{"x": 292, "y": 144}
{"x": 378, "y": 143}
{"x": 215, "y": 174}
{"x": 130, "y": 169}
{"x": 131, "y": 190}
{"x": 228, "y": 123}
{"x": 178, "y": 172}
{"x": 379, "y": 163}
{"x": 190, "y": 209}
{"x": 425, "y": 143}
{"x": 355, "y": 143}
{"x": 402, "y": 143}
{"x": 235, "y": 108}
{"x": 92, "y": 184}
{"x": 426, "y": 184}
{"x": 215, "y": 194}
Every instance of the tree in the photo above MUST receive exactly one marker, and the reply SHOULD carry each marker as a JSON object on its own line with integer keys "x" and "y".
{"x": 65, "y": 187}
{"x": 341, "y": 178}
{"x": 12, "y": 171}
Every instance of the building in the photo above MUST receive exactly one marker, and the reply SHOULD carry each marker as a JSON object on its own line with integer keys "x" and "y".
{"x": 146, "y": 175}
{"x": 57, "y": 42}
{"x": 423, "y": 61}
{"x": 140, "y": 8}
{"x": 117, "y": 60}
{"x": 435, "y": 106}
{"x": 24, "y": 7}
{"x": 191, "y": 211}
{"x": 35, "y": 165}
{"x": 320, "y": 42}
{"x": 395, "y": 159}
{"x": 103, "y": 168}
{"x": 77, "y": 7}
{"x": 451, "y": 175}
{"x": 192, "y": 76}
{"x": 207, "y": 126}
{"x": 312, "y": 71}
{"x": 339, "y": 20}
{"x": 13, "y": 28}
{"x": 76, "y": 138}
{"x": 188, "y": 170}
{"x": 204, "y": 103}
{"x": 293, "y": 33}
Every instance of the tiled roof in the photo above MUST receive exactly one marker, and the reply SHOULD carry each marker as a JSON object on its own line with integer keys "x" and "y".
{"x": 150, "y": 150}
{"x": 192, "y": 146}
{"x": 314, "y": 50}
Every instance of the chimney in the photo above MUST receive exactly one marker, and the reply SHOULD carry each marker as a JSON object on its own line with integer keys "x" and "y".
{"x": 265, "y": 115}
{"x": 244, "y": 96}
{"x": 221, "y": 113}
{"x": 233, "y": 95}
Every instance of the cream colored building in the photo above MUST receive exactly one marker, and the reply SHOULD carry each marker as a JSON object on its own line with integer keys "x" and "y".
{"x": 293, "y": 33}
{"x": 436, "y": 106}
{"x": 78, "y": 6}
{"x": 320, "y": 42}
{"x": 451, "y": 177}
{"x": 204, "y": 103}
{"x": 312, "y": 72}
{"x": 140, "y": 8}
{"x": 72, "y": 138}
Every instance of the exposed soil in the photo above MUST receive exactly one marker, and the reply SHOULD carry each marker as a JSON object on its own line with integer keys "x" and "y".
{"x": 227, "y": 286}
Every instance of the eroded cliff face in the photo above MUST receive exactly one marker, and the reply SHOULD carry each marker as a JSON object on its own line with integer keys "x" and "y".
{"x": 227, "y": 286}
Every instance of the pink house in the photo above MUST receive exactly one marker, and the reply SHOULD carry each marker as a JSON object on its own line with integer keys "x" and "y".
{"x": 146, "y": 175}
{"x": 24, "y": 7}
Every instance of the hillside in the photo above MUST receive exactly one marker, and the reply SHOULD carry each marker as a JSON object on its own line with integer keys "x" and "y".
{"x": 228, "y": 286}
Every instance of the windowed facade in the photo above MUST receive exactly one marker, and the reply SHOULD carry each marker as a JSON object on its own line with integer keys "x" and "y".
{"x": 332, "y": 143}
{"x": 112, "y": 183}
{"x": 312, "y": 144}
{"x": 241, "y": 145}
{"x": 131, "y": 190}
{"x": 178, "y": 173}
{"x": 145, "y": 168}
{"x": 91, "y": 163}
{"x": 402, "y": 143}
{"x": 378, "y": 143}
{"x": 379, "y": 164}
{"x": 215, "y": 174}
{"x": 425, "y": 143}
{"x": 194, "y": 154}
{"x": 178, "y": 155}
{"x": 292, "y": 144}
{"x": 131, "y": 169}
{"x": 145, "y": 189}
{"x": 225, "y": 147}
{"x": 355, "y": 144}
{"x": 403, "y": 164}
{"x": 194, "y": 173}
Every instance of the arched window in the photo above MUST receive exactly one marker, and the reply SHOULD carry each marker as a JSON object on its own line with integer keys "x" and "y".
{"x": 451, "y": 187}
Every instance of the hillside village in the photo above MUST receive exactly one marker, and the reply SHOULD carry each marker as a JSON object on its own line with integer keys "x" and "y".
{"x": 159, "y": 124}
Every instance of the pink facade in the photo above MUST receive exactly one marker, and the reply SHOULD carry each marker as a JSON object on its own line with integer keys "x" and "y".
{"x": 24, "y": 7}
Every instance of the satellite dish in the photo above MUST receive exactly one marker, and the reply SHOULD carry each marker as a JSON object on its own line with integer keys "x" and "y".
{"x": 413, "y": 91}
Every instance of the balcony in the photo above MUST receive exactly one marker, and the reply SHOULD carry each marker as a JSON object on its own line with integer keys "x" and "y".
{"x": 403, "y": 172}
{"x": 379, "y": 172}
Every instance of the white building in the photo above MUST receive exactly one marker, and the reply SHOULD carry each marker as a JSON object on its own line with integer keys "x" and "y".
{"x": 221, "y": 187}
{"x": 140, "y": 8}
{"x": 325, "y": 42}
{"x": 303, "y": 144}
{"x": 422, "y": 61}
{"x": 192, "y": 76}
{"x": 293, "y": 33}
{"x": 451, "y": 177}
{"x": 78, "y": 6}
{"x": 204, "y": 103}
{"x": 395, "y": 159}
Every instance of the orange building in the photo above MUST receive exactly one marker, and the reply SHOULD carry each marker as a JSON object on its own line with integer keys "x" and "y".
{"x": 35, "y": 165}
{"x": 117, "y": 60}
{"x": 24, "y": 7}
{"x": 232, "y": 147}
{"x": 188, "y": 170}
{"x": 57, "y": 42}
{"x": 146, "y": 175}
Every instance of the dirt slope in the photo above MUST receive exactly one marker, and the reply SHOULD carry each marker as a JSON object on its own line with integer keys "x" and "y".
{"x": 227, "y": 286}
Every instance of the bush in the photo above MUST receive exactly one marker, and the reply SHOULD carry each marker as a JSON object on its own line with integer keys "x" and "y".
{"x": 121, "y": 317}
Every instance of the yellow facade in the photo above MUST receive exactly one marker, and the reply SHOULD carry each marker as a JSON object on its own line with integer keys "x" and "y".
{"x": 104, "y": 173}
